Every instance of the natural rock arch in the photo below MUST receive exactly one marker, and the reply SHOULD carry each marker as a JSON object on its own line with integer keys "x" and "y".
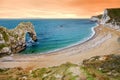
{"x": 13, "y": 41}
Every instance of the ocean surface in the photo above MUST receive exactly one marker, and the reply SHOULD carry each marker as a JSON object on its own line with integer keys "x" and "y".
{"x": 54, "y": 34}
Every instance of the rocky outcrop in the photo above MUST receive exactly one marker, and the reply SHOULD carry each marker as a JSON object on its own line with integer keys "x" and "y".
{"x": 13, "y": 41}
{"x": 106, "y": 67}
{"x": 110, "y": 18}
{"x": 96, "y": 18}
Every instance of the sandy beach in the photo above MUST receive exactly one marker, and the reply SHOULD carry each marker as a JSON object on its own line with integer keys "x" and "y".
{"x": 105, "y": 41}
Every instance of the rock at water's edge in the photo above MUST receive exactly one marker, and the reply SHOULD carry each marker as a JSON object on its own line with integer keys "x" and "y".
{"x": 13, "y": 41}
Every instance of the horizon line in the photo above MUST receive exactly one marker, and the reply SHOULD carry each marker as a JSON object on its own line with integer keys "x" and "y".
{"x": 44, "y": 18}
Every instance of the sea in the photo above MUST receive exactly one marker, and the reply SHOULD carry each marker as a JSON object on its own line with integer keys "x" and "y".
{"x": 54, "y": 34}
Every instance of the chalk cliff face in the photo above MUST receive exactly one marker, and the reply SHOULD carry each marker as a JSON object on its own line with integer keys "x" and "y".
{"x": 111, "y": 18}
{"x": 13, "y": 41}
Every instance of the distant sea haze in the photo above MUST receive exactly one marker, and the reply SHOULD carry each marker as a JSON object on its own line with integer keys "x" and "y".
{"x": 53, "y": 34}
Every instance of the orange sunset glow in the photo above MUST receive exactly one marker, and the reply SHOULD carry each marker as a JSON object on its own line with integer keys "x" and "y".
{"x": 54, "y": 8}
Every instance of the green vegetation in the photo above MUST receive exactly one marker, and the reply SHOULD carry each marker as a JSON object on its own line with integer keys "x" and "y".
{"x": 5, "y": 35}
{"x": 61, "y": 72}
{"x": 103, "y": 68}
{"x": 114, "y": 14}
{"x": 2, "y": 46}
{"x": 99, "y": 16}
{"x": 88, "y": 75}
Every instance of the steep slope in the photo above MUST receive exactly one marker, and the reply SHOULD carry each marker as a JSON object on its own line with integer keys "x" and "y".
{"x": 111, "y": 18}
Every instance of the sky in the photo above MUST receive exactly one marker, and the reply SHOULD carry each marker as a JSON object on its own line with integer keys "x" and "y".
{"x": 54, "y": 8}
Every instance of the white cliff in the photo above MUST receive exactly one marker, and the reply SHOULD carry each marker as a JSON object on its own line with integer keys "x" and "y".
{"x": 111, "y": 18}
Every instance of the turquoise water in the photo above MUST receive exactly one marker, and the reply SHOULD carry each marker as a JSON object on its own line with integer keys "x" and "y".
{"x": 53, "y": 34}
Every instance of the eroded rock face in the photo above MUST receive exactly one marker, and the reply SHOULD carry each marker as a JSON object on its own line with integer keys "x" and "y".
{"x": 110, "y": 18}
{"x": 13, "y": 41}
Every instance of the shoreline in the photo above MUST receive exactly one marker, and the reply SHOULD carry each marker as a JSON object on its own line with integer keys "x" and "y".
{"x": 103, "y": 42}
{"x": 67, "y": 47}
{"x": 76, "y": 44}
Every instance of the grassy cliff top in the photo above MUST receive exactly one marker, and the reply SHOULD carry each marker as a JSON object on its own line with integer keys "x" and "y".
{"x": 114, "y": 14}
